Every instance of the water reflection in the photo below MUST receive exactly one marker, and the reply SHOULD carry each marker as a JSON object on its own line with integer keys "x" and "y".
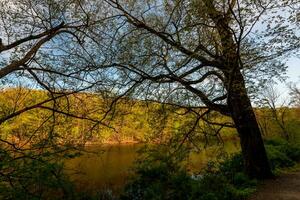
{"x": 110, "y": 166}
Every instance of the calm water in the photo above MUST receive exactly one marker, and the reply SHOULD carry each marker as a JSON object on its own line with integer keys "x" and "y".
{"x": 110, "y": 166}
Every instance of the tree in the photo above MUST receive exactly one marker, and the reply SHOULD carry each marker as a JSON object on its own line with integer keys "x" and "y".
{"x": 39, "y": 41}
{"x": 201, "y": 55}
{"x": 277, "y": 108}
{"x": 186, "y": 52}
{"x": 295, "y": 94}
{"x": 36, "y": 37}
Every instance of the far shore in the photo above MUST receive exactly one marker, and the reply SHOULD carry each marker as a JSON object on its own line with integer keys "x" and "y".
{"x": 125, "y": 142}
{"x": 133, "y": 142}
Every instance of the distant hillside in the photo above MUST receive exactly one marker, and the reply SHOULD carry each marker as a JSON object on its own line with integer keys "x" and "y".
{"x": 91, "y": 118}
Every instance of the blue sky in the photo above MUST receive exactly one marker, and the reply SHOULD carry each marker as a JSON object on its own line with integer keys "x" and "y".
{"x": 293, "y": 74}
{"x": 294, "y": 69}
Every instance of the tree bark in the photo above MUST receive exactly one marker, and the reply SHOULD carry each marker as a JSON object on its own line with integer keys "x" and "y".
{"x": 255, "y": 158}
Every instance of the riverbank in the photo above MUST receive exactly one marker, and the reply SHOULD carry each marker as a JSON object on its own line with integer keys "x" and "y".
{"x": 228, "y": 138}
{"x": 98, "y": 143}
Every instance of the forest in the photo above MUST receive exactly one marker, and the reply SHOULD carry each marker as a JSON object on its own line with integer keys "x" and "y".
{"x": 179, "y": 79}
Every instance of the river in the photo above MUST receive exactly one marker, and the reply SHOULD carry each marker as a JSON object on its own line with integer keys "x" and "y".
{"x": 110, "y": 166}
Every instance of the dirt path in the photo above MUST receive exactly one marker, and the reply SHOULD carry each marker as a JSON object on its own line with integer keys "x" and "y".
{"x": 285, "y": 187}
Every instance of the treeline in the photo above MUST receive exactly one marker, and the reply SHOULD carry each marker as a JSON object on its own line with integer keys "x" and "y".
{"x": 281, "y": 122}
{"x": 100, "y": 118}
{"x": 91, "y": 117}
{"x": 43, "y": 129}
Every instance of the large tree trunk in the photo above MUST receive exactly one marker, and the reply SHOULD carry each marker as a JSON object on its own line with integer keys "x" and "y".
{"x": 254, "y": 153}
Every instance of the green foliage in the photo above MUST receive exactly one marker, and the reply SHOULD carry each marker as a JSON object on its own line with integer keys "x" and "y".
{"x": 161, "y": 177}
{"x": 277, "y": 158}
{"x": 216, "y": 186}
{"x": 132, "y": 121}
{"x": 99, "y": 195}
{"x": 291, "y": 149}
{"x": 276, "y": 141}
{"x": 282, "y": 153}
{"x": 158, "y": 176}
{"x": 231, "y": 165}
{"x": 32, "y": 178}
{"x": 271, "y": 127}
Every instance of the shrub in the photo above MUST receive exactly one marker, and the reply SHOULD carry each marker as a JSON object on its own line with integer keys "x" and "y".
{"x": 99, "y": 195}
{"x": 158, "y": 180}
{"x": 214, "y": 186}
{"x": 231, "y": 165}
{"x": 282, "y": 153}
{"x": 276, "y": 141}
{"x": 277, "y": 158}
{"x": 165, "y": 179}
{"x": 159, "y": 175}
{"x": 293, "y": 151}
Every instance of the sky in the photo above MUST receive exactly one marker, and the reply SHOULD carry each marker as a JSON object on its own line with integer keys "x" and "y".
{"x": 293, "y": 65}
{"x": 293, "y": 73}
{"x": 294, "y": 69}
{"x": 293, "y": 62}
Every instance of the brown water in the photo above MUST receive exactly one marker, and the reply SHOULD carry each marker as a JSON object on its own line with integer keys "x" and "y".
{"x": 110, "y": 166}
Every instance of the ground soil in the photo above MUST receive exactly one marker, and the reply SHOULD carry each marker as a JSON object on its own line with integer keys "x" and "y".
{"x": 284, "y": 187}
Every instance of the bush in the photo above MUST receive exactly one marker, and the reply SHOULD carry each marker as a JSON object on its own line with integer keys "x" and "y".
{"x": 293, "y": 152}
{"x": 165, "y": 178}
{"x": 32, "y": 176}
{"x": 210, "y": 183}
{"x": 276, "y": 142}
{"x": 39, "y": 176}
{"x": 217, "y": 187}
{"x": 159, "y": 180}
{"x": 277, "y": 158}
{"x": 99, "y": 195}
{"x": 161, "y": 177}
{"x": 282, "y": 153}
{"x": 231, "y": 165}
